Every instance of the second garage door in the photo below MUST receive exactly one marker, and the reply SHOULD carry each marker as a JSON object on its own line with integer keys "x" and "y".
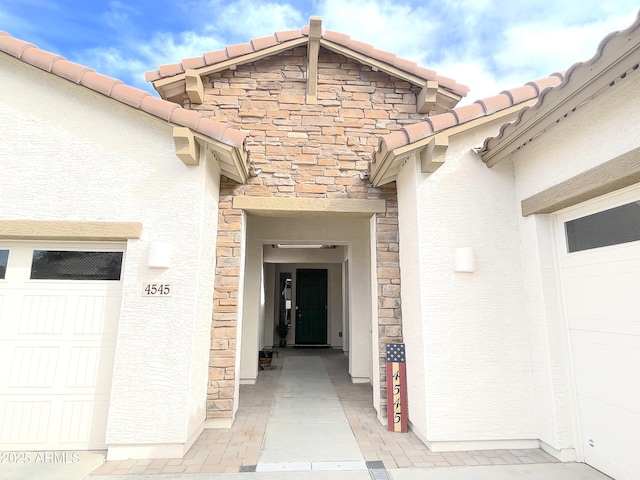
{"x": 600, "y": 260}
{"x": 59, "y": 310}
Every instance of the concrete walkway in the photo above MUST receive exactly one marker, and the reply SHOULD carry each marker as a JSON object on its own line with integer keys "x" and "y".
{"x": 307, "y": 429}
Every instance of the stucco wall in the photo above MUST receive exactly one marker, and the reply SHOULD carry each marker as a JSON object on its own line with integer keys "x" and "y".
{"x": 73, "y": 155}
{"x": 468, "y": 330}
{"x": 595, "y": 133}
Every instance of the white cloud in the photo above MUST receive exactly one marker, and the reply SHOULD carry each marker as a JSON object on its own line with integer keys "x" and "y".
{"x": 129, "y": 64}
{"x": 541, "y": 47}
{"x": 398, "y": 27}
{"x": 248, "y": 19}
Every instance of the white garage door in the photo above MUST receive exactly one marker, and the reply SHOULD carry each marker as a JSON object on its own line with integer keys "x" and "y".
{"x": 59, "y": 309}
{"x": 600, "y": 258}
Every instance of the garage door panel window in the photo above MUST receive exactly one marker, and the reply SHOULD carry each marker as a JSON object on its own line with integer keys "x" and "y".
{"x": 609, "y": 227}
{"x": 4, "y": 258}
{"x": 75, "y": 265}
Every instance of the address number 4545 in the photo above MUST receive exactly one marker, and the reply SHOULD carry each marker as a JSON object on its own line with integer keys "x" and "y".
{"x": 157, "y": 290}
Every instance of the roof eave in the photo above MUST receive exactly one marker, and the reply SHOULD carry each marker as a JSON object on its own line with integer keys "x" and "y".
{"x": 431, "y": 150}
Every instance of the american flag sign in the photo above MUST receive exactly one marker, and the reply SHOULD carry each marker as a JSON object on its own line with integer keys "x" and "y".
{"x": 396, "y": 388}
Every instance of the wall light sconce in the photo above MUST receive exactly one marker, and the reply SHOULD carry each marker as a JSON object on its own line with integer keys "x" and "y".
{"x": 159, "y": 255}
{"x": 464, "y": 260}
{"x": 364, "y": 175}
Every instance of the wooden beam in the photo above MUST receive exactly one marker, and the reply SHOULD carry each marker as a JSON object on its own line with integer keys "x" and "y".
{"x": 194, "y": 86}
{"x": 318, "y": 206}
{"x": 68, "y": 230}
{"x": 313, "y": 50}
{"x": 427, "y": 97}
{"x": 433, "y": 155}
{"x": 615, "y": 174}
{"x": 187, "y": 149}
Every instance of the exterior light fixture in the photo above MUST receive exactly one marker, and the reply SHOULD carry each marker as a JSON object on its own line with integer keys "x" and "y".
{"x": 364, "y": 175}
{"x": 159, "y": 255}
{"x": 464, "y": 260}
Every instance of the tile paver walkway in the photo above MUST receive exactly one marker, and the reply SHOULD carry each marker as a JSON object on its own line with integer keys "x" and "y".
{"x": 229, "y": 450}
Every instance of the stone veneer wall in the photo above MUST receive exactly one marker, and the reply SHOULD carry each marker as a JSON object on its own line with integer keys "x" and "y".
{"x": 305, "y": 150}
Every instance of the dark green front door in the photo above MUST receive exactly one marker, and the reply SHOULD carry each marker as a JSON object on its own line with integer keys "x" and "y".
{"x": 311, "y": 307}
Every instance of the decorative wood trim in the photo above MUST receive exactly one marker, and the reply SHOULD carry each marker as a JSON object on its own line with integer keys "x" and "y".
{"x": 187, "y": 149}
{"x": 194, "y": 86}
{"x": 294, "y": 206}
{"x": 427, "y": 97}
{"x": 615, "y": 174}
{"x": 313, "y": 50}
{"x": 434, "y": 154}
{"x": 66, "y": 230}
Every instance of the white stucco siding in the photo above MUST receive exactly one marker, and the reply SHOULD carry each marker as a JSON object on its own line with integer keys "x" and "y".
{"x": 72, "y": 154}
{"x": 203, "y": 297}
{"x": 547, "y": 335}
{"x": 586, "y": 138}
{"x": 478, "y": 384}
{"x": 413, "y": 322}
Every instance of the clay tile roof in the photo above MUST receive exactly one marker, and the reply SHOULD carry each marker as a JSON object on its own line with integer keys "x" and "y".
{"x": 287, "y": 35}
{"x": 255, "y": 45}
{"x": 496, "y": 103}
{"x": 264, "y": 42}
{"x": 239, "y": 50}
{"x": 461, "y": 115}
{"x": 468, "y": 112}
{"x": 397, "y": 139}
{"x": 416, "y": 131}
{"x": 118, "y": 91}
{"x": 195, "y": 62}
{"x": 442, "y": 121}
{"x": 523, "y": 93}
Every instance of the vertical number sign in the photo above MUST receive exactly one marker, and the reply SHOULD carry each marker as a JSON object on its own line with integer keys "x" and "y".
{"x": 396, "y": 388}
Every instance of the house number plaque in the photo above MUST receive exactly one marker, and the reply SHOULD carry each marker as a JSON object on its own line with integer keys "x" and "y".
{"x": 397, "y": 420}
{"x": 157, "y": 290}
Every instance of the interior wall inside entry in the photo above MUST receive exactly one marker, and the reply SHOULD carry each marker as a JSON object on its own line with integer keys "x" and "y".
{"x": 352, "y": 237}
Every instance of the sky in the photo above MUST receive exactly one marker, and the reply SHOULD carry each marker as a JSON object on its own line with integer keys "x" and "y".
{"x": 488, "y": 45}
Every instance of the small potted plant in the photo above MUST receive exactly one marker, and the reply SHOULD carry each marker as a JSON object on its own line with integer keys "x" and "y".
{"x": 265, "y": 357}
{"x": 282, "y": 329}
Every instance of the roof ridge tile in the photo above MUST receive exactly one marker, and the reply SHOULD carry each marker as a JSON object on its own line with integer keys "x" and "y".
{"x": 193, "y": 62}
{"x": 69, "y": 70}
{"x": 496, "y": 103}
{"x": 14, "y": 46}
{"x": 39, "y": 58}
